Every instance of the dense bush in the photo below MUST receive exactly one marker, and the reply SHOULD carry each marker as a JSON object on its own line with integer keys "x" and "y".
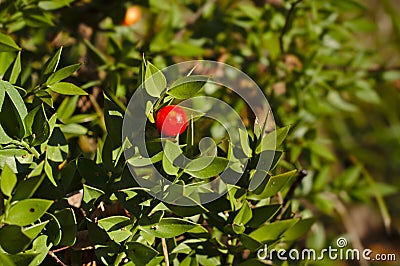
{"x": 68, "y": 70}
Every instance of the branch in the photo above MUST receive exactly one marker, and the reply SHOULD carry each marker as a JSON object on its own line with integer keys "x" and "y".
{"x": 287, "y": 24}
{"x": 52, "y": 254}
{"x": 165, "y": 251}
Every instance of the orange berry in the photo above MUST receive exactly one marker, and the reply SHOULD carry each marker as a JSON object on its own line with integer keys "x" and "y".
{"x": 132, "y": 15}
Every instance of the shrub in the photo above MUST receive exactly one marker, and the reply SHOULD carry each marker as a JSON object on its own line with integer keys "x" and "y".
{"x": 69, "y": 177}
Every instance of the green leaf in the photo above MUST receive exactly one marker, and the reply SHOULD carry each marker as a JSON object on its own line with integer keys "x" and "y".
{"x": 244, "y": 142}
{"x": 10, "y": 120}
{"x": 365, "y": 92}
{"x": 13, "y": 111}
{"x": 272, "y": 231}
{"x": 56, "y": 147}
{"x": 187, "y": 87}
{"x": 15, "y": 98}
{"x": 62, "y": 73}
{"x": 6, "y": 260}
{"x": 40, "y": 245}
{"x": 33, "y": 231}
{"x": 37, "y": 18}
{"x": 186, "y": 49}
{"x": 97, "y": 235}
{"x": 250, "y": 243}
{"x": 67, "y": 88}
{"x": 349, "y": 176}
{"x": 37, "y": 126}
{"x": 171, "y": 152}
{"x": 155, "y": 81}
{"x": 66, "y": 218}
{"x": 74, "y": 129}
{"x": 67, "y": 108}
{"x": 169, "y": 227}
{"x": 8, "y": 181}
{"x": 27, "y": 211}
{"x": 139, "y": 253}
{"x": 53, "y": 229}
{"x": 139, "y": 161}
{"x": 322, "y": 150}
{"x": 299, "y": 229}
{"x": 217, "y": 165}
{"x": 53, "y": 5}
{"x": 263, "y": 214}
{"x": 276, "y": 183}
{"x": 113, "y": 118}
{"x": 27, "y": 187}
{"x": 17, "y": 159}
{"x": 117, "y": 227}
{"x": 3, "y": 88}
{"x": 12, "y": 239}
{"x": 274, "y": 139}
{"x": 48, "y": 169}
{"x": 338, "y": 102}
{"x": 51, "y": 64}
{"x": 244, "y": 215}
{"x": 91, "y": 193}
{"x": 45, "y": 97}
{"x": 97, "y": 56}
{"x": 150, "y": 112}
{"x": 113, "y": 222}
{"x": 16, "y": 70}
{"x": 7, "y": 44}
{"x": 378, "y": 187}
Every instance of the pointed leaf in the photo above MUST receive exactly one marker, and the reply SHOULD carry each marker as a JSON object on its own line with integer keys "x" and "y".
{"x": 91, "y": 193}
{"x": 299, "y": 229}
{"x": 67, "y": 88}
{"x": 62, "y": 73}
{"x": 244, "y": 215}
{"x": 16, "y": 70}
{"x": 8, "y": 181}
{"x": 7, "y": 44}
{"x": 33, "y": 231}
{"x": 27, "y": 187}
{"x": 272, "y": 231}
{"x": 12, "y": 239}
{"x": 274, "y": 139}
{"x": 53, "y": 5}
{"x": 51, "y": 64}
{"x": 169, "y": 227}
{"x": 276, "y": 183}
{"x": 217, "y": 166}
{"x": 66, "y": 218}
{"x": 27, "y": 211}
{"x": 139, "y": 253}
{"x": 187, "y": 87}
{"x": 155, "y": 81}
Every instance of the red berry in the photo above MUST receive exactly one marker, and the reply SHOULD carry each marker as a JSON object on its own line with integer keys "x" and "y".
{"x": 171, "y": 121}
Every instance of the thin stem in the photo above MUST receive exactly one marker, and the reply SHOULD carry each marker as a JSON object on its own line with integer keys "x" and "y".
{"x": 381, "y": 202}
{"x": 165, "y": 251}
{"x": 52, "y": 254}
{"x": 288, "y": 20}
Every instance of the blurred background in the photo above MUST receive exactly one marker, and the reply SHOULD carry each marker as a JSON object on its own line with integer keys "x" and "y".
{"x": 329, "y": 68}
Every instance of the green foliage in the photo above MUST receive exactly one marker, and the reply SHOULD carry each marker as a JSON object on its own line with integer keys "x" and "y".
{"x": 68, "y": 69}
